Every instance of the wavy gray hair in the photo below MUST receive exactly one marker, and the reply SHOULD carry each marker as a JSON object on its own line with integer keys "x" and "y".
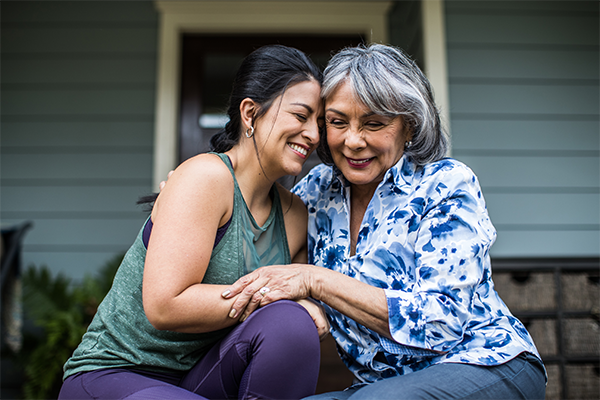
{"x": 389, "y": 83}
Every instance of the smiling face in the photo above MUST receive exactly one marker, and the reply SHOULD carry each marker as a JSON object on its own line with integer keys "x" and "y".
{"x": 288, "y": 133}
{"x": 363, "y": 145}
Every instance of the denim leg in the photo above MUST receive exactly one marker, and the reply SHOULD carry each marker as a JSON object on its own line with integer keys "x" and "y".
{"x": 341, "y": 395}
{"x": 520, "y": 378}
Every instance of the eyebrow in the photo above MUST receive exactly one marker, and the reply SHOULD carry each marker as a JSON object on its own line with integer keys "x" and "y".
{"x": 309, "y": 108}
{"x": 365, "y": 115}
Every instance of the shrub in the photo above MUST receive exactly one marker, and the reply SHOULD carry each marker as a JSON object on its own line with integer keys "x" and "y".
{"x": 61, "y": 312}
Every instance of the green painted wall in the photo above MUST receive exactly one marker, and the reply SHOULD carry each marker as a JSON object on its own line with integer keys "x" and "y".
{"x": 524, "y": 103}
{"x": 78, "y": 91}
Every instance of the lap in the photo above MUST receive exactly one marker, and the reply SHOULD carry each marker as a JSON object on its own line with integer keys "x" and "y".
{"x": 280, "y": 328}
{"x": 122, "y": 383}
{"x": 520, "y": 378}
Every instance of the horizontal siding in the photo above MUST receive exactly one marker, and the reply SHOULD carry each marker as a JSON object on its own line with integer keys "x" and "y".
{"x": 569, "y": 211}
{"x": 524, "y": 92}
{"x": 78, "y": 95}
{"x": 52, "y": 166}
{"x": 573, "y": 243}
{"x": 525, "y": 135}
{"x": 71, "y": 201}
{"x": 528, "y": 171}
{"x": 539, "y": 66}
{"x": 70, "y": 262}
{"x": 80, "y": 73}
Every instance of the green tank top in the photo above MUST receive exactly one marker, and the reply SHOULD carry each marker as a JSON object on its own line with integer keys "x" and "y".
{"x": 120, "y": 335}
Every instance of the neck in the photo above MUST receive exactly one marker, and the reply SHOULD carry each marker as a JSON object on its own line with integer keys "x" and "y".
{"x": 362, "y": 194}
{"x": 251, "y": 178}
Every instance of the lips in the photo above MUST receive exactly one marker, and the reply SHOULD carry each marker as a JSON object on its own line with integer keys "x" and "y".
{"x": 359, "y": 163}
{"x": 299, "y": 149}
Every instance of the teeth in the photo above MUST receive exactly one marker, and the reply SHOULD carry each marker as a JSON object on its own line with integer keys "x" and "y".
{"x": 360, "y": 161}
{"x": 299, "y": 149}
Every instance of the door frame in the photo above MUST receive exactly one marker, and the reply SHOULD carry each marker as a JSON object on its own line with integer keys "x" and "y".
{"x": 368, "y": 18}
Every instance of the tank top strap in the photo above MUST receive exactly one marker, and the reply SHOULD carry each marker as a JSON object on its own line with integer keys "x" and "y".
{"x": 261, "y": 245}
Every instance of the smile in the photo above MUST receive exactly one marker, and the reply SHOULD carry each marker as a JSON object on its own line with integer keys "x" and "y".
{"x": 359, "y": 163}
{"x": 298, "y": 149}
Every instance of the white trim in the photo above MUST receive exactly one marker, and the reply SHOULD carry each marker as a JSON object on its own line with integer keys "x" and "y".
{"x": 436, "y": 69}
{"x": 368, "y": 18}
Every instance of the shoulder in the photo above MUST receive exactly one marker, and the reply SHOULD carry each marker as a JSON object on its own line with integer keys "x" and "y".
{"x": 316, "y": 182}
{"x": 204, "y": 166}
{"x": 448, "y": 173}
{"x": 447, "y": 167}
{"x": 203, "y": 178}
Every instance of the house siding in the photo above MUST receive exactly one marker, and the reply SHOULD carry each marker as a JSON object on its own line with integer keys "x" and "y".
{"x": 78, "y": 95}
{"x": 523, "y": 79}
{"x": 78, "y": 84}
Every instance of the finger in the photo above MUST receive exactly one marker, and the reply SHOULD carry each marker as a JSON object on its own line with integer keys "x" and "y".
{"x": 240, "y": 286}
{"x": 244, "y": 300}
{"x": 252, "y": 306}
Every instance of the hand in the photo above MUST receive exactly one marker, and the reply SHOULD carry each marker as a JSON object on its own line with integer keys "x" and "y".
{"x": 317, "y": 312}
{"x": 162, "y": 184}
{"x": 266, "y": 285}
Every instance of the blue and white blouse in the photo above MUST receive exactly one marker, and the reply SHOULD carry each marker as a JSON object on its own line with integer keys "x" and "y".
{"x": 425, "y": 239}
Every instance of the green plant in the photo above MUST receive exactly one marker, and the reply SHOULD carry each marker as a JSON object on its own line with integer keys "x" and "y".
{"x": 62, "y": 311}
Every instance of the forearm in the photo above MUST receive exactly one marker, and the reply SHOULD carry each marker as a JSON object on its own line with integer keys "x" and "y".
{"x": 364, "y": 303}
{"x": 198, "y": 309}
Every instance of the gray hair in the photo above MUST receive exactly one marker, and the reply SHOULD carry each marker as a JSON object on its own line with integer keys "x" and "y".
{"x": 389, "y": 83}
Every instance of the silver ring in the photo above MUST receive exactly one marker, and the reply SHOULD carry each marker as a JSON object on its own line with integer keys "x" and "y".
{"x": 264, "y": 290}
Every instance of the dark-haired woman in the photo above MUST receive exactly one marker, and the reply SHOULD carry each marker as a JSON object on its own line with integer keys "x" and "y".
{"x": 163, "y": 330}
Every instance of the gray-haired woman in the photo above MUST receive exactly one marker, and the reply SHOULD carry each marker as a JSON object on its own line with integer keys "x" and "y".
{"x": 403, "y": 235}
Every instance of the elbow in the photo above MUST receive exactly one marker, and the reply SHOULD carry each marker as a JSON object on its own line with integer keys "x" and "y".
{"x": 158, "y": 316}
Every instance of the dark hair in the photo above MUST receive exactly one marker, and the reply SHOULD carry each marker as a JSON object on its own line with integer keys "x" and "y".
{"x": 264, "y": 75}
{"x": 389, "y": 83}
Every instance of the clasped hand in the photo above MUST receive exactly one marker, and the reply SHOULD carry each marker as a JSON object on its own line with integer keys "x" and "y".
{"x": 268, "y": 284}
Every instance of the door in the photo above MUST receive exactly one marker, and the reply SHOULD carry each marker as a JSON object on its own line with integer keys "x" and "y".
{"x": 209, "y": 64}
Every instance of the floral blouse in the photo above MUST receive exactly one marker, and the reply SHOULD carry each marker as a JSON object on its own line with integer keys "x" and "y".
{"x": 425, "y": 239}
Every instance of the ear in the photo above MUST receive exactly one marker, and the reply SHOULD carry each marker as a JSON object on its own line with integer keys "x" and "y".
{"x": 248, "y": 109}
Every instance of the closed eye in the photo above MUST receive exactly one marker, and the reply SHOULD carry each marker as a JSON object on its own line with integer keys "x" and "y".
{"x": 335, "y": 122}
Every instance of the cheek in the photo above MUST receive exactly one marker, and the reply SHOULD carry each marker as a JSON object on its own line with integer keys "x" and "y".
{"x": 333, "y": 140}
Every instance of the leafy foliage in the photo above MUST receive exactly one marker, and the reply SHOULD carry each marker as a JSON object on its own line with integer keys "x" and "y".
{"x": 62, "y": 311}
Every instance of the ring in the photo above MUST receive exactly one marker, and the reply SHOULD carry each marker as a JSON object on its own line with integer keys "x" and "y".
{"x": 264, "y": 290}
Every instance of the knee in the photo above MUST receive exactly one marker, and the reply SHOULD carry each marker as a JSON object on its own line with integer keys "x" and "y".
{"x": 288, "y": 318}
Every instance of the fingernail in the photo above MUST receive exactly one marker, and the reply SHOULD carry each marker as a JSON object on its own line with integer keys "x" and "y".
{"x": 232, "y": 313}
{"x": 243, "y": 318}
{"x": 226, "y": 293}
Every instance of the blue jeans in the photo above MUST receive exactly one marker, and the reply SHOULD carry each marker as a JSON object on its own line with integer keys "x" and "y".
{"x": 521, "y": 378}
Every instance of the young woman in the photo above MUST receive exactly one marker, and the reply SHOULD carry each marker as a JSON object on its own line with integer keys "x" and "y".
{"x": 163, "y": 331}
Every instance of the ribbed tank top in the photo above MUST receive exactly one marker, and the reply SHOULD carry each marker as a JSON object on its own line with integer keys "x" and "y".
{"x": 120, "y": 335}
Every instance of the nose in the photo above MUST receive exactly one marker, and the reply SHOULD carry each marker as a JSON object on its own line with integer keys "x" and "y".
{"x": 354, "y": 139}
{"x": 312, "y": 133}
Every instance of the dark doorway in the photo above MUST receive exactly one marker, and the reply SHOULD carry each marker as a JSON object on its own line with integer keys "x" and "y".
{"x": 209, "y": 63}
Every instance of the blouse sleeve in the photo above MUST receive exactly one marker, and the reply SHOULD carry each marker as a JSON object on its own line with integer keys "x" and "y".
{"x": 451, "y": 245}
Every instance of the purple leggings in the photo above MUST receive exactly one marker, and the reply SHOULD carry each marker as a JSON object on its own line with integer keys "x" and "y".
{"x": 274, "y": 354}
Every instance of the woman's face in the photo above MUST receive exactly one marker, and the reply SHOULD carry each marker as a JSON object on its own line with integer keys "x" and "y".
{"x": 288, "y": 133}
{"x": 364, "y": 145}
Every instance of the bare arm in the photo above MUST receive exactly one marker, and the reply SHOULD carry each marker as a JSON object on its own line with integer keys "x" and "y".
{"x": 186, "y": 217}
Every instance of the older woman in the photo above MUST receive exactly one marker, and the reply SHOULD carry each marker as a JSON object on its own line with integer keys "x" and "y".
{"x": 403, "y": 235}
